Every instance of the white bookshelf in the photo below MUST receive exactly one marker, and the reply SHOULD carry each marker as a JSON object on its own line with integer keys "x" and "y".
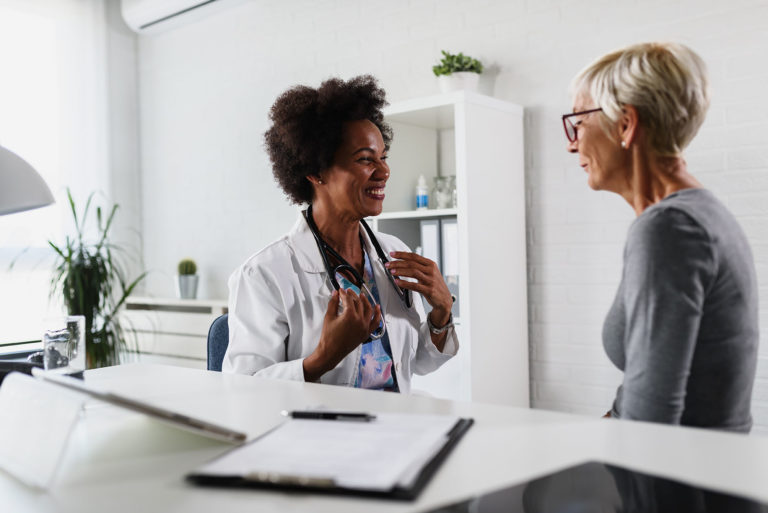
{"x": 480, "y": 140}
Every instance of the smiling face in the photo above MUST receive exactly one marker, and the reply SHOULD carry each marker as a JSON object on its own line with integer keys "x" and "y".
{"x": 355, "y": 182}
{"x": 600, "y": 153}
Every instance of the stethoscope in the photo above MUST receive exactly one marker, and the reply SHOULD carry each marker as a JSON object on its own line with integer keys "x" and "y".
{"x": 337, "y": 273}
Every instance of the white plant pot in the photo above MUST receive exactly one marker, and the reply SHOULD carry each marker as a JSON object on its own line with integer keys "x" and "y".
{"x": 186, "y": 286}
{"x": 459, "y": 81}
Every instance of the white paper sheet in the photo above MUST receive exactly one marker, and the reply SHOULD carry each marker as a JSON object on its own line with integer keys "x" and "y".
{"x": 376, "y": 455}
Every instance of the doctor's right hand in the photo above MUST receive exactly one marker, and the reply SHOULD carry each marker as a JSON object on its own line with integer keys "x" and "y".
{"x": 342, "y": 332}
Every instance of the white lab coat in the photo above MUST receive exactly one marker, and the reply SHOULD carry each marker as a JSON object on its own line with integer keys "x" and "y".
{"x": 277, "y": 304}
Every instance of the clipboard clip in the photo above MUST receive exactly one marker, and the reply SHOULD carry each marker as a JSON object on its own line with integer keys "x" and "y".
{"x": 290, "y": 480}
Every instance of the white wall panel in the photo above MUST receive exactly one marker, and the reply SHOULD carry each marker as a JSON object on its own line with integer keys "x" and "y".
{"x": 208, "y": 193}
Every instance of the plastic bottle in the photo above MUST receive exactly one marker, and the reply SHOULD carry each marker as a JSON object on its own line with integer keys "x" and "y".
{"x": 422, "y": 198}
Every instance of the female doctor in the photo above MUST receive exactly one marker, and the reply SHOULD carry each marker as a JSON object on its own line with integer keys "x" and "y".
{"x": 327, "y": 302}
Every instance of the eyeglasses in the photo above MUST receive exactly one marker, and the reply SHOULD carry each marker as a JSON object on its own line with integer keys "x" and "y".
{"x": 571, "y": 130}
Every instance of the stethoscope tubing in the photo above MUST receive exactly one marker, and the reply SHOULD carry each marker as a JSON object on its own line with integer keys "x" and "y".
{"x": 404, "y": 295}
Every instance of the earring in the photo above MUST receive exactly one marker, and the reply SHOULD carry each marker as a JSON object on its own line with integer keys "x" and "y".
{"x": 320, "y": 180}
{"x": 623, "y": 144}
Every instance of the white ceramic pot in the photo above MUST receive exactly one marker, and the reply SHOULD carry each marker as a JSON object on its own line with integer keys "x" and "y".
{"x": 186, "y": 286}
{"x": 459, "y": 81}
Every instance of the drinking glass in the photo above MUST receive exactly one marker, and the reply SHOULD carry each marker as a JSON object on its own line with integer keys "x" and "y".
{"x": 443, "y": 191}
{"x": 64, "y": 344}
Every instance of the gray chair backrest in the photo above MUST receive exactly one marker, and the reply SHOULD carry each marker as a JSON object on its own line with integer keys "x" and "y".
{"x": 218, "y": 340}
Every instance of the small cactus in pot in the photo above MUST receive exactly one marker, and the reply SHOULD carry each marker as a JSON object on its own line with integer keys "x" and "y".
{"x": 187, "y": 266}
{"x": 186, "y": 281}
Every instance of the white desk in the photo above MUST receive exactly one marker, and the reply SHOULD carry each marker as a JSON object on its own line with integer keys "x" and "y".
{"x": 121, "y": 461}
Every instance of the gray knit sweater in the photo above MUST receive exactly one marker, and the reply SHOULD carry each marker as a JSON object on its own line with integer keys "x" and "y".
{"x": 684, "y": 324}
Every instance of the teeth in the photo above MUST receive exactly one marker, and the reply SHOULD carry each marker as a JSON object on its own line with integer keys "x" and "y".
{"x": 375, "y": 192}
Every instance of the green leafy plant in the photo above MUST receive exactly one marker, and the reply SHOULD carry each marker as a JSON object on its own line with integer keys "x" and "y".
{"x": 187, "y": 266}
{"x": 451, "y": 63}
{"x": 90, "y": 277}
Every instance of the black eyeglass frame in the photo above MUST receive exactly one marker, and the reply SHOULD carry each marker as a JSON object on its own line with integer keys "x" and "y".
{"x": 567, "y": 122}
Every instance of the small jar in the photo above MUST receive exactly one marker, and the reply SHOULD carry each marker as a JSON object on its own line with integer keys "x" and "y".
{"x": 443, "y": 191}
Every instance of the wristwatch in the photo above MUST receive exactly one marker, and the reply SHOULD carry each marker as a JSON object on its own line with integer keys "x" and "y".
{"x": 437, "y": 331}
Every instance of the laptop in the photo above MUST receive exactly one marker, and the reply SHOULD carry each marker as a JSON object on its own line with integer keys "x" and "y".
{"x": 596, "y": 487}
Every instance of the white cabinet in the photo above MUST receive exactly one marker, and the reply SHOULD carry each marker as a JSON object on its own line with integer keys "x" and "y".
{"x": 171, "y": 331}
{"x": 480, "y": 140}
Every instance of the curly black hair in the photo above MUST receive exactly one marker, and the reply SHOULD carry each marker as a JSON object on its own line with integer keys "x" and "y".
{"x": 307, "y": 128}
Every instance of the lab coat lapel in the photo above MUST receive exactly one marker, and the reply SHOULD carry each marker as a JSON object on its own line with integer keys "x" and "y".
{"x": 307, "y": 254}
{"x": 305, "y": 247}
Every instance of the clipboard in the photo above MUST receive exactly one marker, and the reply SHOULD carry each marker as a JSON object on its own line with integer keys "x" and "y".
{"x": 217, "y": 473}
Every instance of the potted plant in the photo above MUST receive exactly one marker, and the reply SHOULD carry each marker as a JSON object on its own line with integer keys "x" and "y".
{"x": 457, "y": 72}
{"x": 186, "y": 281}
{"x": 91, "y": 279}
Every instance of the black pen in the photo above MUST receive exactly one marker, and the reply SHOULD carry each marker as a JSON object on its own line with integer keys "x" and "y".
{"x": 330, "y": 415}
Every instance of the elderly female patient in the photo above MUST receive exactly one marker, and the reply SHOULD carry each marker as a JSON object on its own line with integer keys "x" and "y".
{"x": 325, "y": 302}
{"x": 684, "y": 324}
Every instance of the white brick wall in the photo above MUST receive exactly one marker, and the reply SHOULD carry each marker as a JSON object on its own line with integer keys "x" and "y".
{"x": 207, "y": 86}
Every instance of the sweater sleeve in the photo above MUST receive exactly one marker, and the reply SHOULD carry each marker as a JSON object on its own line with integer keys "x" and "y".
{"x": 668, "y": 265}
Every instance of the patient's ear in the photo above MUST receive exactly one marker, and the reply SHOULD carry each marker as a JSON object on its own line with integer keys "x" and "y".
{"x": 628, "y": 125}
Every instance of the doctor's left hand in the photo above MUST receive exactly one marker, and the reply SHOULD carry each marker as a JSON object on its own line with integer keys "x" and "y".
{"x": 429, "y": 282}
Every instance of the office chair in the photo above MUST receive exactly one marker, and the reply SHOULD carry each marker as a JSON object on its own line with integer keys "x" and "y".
{"x": 218, "y": 340}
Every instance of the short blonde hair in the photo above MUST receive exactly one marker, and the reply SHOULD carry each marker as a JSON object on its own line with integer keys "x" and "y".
{"x": 666, "y": 82}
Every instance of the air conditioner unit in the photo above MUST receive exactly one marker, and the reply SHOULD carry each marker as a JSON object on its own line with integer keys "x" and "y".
{"x": 152, "y": 16}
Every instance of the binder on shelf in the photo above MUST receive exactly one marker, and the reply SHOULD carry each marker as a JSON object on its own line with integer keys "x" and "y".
{"x": 392, "y": 456}
{"x": 430, "y": 240}
{"x": 430, "y": 246}
{"x": 449, "y": 241}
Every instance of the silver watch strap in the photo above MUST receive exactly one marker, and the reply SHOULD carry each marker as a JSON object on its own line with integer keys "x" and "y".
{"x": 437, "y": 331}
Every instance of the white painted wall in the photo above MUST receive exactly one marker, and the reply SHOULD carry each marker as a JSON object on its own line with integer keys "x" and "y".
{"x": 123, "y": 136}
{"x": 68, "y": 106}
{"x": 207, "y": 191}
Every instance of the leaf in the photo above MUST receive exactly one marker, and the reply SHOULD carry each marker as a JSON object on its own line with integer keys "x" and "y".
{"x": 456, "y": 63}
{"x": 106, "y": 227}
{"x": 72, "y": 205}
{"x": 127, "y": 292}
{"x": 57, "y": 250}
{"x": 81, "y": 228}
